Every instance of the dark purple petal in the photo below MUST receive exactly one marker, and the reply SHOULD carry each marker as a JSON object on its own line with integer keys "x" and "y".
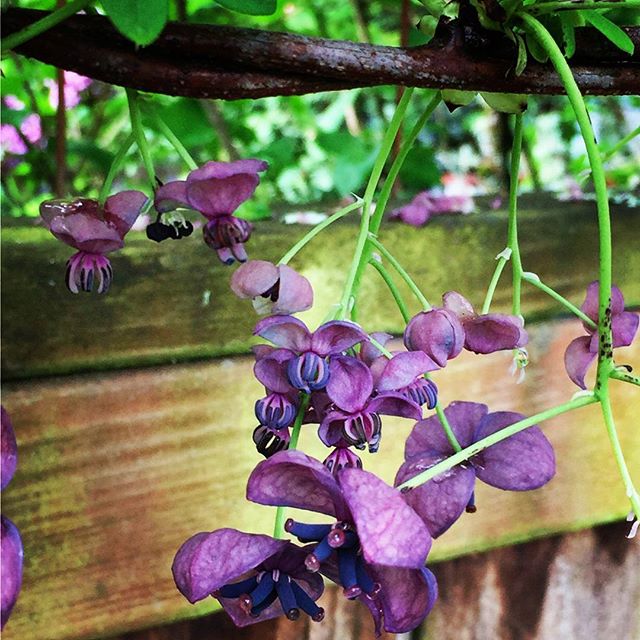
{"x": 208, "y": 561}
{"x": 336, "y": 336}
{"x": 331, "y": 429}
{"x": 254, "y": 278}
{"x": 442, "y": 500}
{"x": 401, "y": 370}
{"x": 221, "y": 170}
{"x": 11, "y": 578}
{"x": 406, "y": 596}
{"x": 438, "y": 333}
{"x": 271, "y": 371}
{"x": 171, "y": 196}
{"x": 369, "y": 352}
{"x": 591, "y": 303}
{"x": 85, "y": 233}
{"x": 395, "y": 404}
{"x": 390, "y": 532}
{"x": 295, "y": 292}
{"x": 285, "y": 331}
{"x": 263, "y": 350}
{"x": 9, "y": 449}
{"x": 122, "y": 209}
{"x": 350, "y": 383}
{"x": 428, "y": 435}
{"x": 624, "y": 328}
{"x": 494, "y": 332}
{"x": 293, "y": 479}
{"x": 456, "y": 302}
{"x": 577, "y": 359}
{"x": 521, "y": 462}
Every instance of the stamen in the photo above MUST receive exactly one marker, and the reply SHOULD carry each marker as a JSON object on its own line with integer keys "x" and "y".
{"x": 347, "y": 572}
{"x": 262, "y": 591}
{"x": 287, "y": 598}
{"x": 306, "y": 532}
{"x": 236, "y": 589}
{"x": 342, "y": 538}
{"x": 370, "y": 587}
{"x": 306, "y": 603}
{"x": 267, "y": 602}
{"x": 471, "y": 505}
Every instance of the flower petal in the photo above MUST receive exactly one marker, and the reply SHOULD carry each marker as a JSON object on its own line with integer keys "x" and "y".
{"x": 350, "y": 383}
{"x": 86, "y": 233}
{"x": 208, "y": 561}
{"x": 285, "y": 331}
{"x": 438, "y": 333}
{"x": 331, "y": 429}
{"x": 577, "y": 359}
{"x": 336, "y": 336}
{"x": 521, "y": 462}
{"x": 401, "y": 370}
{"x": 428, "y": 435}
{"x": 254, "y": 278}
{"x": 441, "y": 501}
{"x": 122, "y": 209}
{"x": 271, "y": 371}
{"x": 624, "y": 328}
{"x": 395, "y": 404}
{"x": 11, "y": 578}
{"x": 295, "y": 292}
{"x": 494, "y": 332}
{"x": 9, "y": 449}
{"x": 369, "y": 352}
{"x": 390, "y": 532}
{"x": 591, "y": 302}
{"x": 293, "y": 479}
{"x": 171, "y": 196}
{"x": 221, "y": 170}
{"x": 456, "y": 302}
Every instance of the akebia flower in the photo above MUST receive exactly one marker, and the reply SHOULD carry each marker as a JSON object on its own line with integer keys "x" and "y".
{"x": 254, "y": 577}
{"x": 308, "y": 369}
{"x": 437, "y": 332}
{"x": 582, "y": 351}
{"x": 487, "y": 332}
{"x": 93, "y": 230}
{"x": 355, "y": 420}
{"x": 274, "y": 289}
{"x": 376, "y": 546}
{"x": 10, "y": 541}
{"x": 216, "y": 190}
{"x": 518, "y": 463}
{"x": 428, "y": 204}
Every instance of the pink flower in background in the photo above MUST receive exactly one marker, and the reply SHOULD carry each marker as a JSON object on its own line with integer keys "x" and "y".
{"x": 74, "y": 84}
{"x": 12, "y": 142}
{"x": 14, "y": 103}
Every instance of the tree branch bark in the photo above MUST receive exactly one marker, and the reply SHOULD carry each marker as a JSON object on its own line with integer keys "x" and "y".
{"x": 207, "y": 61}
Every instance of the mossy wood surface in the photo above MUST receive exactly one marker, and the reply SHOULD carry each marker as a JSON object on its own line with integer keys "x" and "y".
{"x": 171, "y": 302}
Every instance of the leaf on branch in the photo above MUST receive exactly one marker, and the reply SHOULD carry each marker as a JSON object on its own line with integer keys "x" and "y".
{"x": 609, "y": 30}
{"x": 506, "y": 102}
{"x": 251, "y": 7}
{"x": 139, "y": 20}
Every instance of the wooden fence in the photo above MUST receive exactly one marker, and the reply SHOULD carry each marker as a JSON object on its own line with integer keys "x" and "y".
{"x": 133, "y": 414}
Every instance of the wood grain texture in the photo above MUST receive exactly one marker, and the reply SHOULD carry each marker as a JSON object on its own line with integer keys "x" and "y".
{"x": 118, "y": 469}
{"x": 172, "y": 303}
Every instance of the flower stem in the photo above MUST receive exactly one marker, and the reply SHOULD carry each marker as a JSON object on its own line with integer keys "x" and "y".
{"x": 381, "y": 348}
{"x": 503, "y": 257}
{"x": 317, "y": 229}
{"x": 624, "y": 376}
{"x": 395, "y": 292}
{"x": 448, "y": 431}
{"x": 138, "y": 132}
{"x": 278, "y": 526}
{"x": 512, "y": 232}
{"x": 115, "y": 166}
{"x": 494, "y": 438}
{"x": 401, "y": 271}
{"x": 174, "y": 141}
{"x": 42, "y": 25}
{"x": 534, "y": 280}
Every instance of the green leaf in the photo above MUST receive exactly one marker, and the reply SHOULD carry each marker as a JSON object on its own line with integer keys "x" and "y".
{"x": 610, "y": 30}
{"x": 139, "y": 20}
{"x": 458, "y": 98}
{"x": 535, "y": 49}
{"x": 427, "y": 25}
{"x": 521, "y": 62}
{"x": 568, "y": 34}
{"x": 251, "y": 7}
{"x": 506, "y": 102}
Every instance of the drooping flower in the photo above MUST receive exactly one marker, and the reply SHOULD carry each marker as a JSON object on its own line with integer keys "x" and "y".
{"x": 377, "y": 545}
{"x": 437, "y": 332}
{"x": 354, "y": 420}
{"x": 254, "y": 577}
{"x": 274, "y": 289}
{"x": 94, "y": 230}
{"x": 487, "y": 332}
{"x": 216, "y": 190}
{"x": 308, "y": 370}
{"x": 582, "y": 351}
{"x": 10, "y": 541}
{"x": 428, "y": 204}
{"x": 521, "y": 462}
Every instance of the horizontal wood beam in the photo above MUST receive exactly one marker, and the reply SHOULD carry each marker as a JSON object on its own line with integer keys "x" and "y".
{"x": 208, "y": 61}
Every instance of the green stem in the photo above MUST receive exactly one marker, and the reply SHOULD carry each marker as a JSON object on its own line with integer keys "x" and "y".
{"x": 448, "y": 431}
{"x": 620, "y": 144}
{"x": 494, "y": 438}
{"x": 401, "y": 271}
{"x": 395, "y": 292}
{"x": 601, "y": 5}
{"x": 359, "y": 262}
{"x": 287, "y": 257}
{"x": 42, "y": 25}
{"x": 502, "y": 259}
{"x": 381, "y": 348}
{"x": 607, "y": 414}
{"x": 115, "y": 166}
{"x": 138, "y": 132}
{"x": 174, "y": 141}
{"x": 512, "y": 232}
{"x": 278, "y": 526}
{"x": 625, "y": 376}
{"x": 534, "y": 280}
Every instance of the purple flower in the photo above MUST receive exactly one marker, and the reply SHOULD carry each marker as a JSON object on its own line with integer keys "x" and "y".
{"x": 431, "y": 203}
{"x": 254, "y": 577}
{"x": 74, "y": 83}
{"x": 582, "y": 351}
{"x": 355, "y": 419}
{"x": 274, "y": 289}
{"x": 216, "y": 190}
{"x": 10, "y": 541}
{"x": 518, "y": 463}
{"x": 375, "y": 549}
{"x": 438, "y": 333}
{"x": 93, "y": 230}
{"x": 308, "y": 370}
{"x": 342, "y": 458}
{"x": 487, "y": 332}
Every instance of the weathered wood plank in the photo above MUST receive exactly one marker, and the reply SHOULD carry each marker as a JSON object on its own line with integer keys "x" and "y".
{"x": 171, "y": 302}
{"x": 117, "y": 469}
